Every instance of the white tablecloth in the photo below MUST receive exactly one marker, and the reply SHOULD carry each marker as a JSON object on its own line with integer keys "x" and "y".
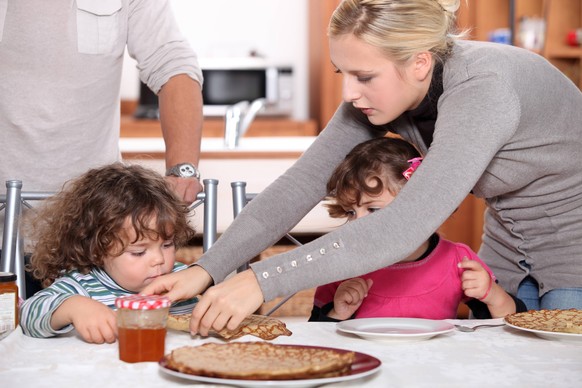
{"x": 490, "y": 357}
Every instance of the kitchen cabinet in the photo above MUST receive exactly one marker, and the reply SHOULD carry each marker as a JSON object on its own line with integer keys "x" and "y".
{"x": 325, "y": 88}
{"x": 558, "y": 17}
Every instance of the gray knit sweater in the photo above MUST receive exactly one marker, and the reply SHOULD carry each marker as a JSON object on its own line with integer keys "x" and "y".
{"x": 509, "y": 129}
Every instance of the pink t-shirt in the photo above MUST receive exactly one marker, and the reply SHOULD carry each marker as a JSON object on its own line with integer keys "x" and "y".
{"x": 429, "y": 288}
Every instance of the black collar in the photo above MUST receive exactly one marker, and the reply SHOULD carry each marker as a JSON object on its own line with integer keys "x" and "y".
{"x": 425, "y": 115}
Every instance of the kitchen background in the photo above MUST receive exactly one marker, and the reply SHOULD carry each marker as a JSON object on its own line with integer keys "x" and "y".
{"x": 274, "y": 29}
{"x": 293, "y": 32}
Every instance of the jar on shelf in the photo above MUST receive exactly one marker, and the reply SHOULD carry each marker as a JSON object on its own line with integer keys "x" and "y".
{"x": 8, "y": 302}
{"x": 574, "y": 37}
{"x": 141, "y": 325}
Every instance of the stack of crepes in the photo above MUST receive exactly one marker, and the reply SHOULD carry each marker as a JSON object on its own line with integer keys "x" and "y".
{"x": 556, "y": 321}
{"x": 259, "y": 361}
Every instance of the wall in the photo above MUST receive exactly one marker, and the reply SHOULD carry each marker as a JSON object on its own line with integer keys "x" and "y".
{"x": 276, "y": 29}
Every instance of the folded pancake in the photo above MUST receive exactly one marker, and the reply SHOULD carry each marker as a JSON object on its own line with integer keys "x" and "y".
{"x": 266, "y": 328}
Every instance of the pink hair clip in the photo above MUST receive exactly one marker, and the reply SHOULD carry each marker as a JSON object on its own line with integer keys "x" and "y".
{"x": 414, "y": 163}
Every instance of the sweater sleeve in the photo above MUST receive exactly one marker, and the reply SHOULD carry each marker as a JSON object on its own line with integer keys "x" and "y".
{"x": 36, "y": 312}
{"x": 481, "y": 311}
{"x": 277, "y": 209}
{"x": 475, "y": 119}
{"x": 319, "y": 314}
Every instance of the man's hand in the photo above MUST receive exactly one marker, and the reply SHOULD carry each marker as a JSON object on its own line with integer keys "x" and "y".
{"x": 185, "y": 188}
{"x": 94, "y": 321}
{"x": 180, "y": 285}
{"x": 227, "y": 304}
{"x": 349, "y": 297}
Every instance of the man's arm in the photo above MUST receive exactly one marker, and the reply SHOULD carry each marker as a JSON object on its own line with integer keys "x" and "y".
{"x": 180, "y": 101}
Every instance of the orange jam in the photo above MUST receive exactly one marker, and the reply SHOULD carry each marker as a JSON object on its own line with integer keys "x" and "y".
{"x": 137, "y": 345}
{"x": 141, "y": 327}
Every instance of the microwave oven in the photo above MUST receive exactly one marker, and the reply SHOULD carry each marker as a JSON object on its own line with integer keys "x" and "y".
{"x": 232, "y": 80}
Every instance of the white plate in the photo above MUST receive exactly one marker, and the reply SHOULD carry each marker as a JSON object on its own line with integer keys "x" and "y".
{"x": 401, "y": 329}
{"x": 363, "y": 365}
{"x": 550, "y": 335}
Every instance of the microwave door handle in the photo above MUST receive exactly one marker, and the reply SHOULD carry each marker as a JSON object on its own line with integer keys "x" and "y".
{"x": 272, "y": 92}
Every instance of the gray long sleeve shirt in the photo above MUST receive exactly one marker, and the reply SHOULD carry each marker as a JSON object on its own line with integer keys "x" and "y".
{"x": 509, "y": 129}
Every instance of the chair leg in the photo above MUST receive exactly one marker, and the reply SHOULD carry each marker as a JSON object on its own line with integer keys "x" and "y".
{"x": 12, "y": 259}
{"x": 239, "y": 200}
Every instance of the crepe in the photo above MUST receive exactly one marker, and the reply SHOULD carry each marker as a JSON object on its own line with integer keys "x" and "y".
{"x": 559, "y": 321}
{"x": 259, "y": 361}
{"x": 266, "y": 328}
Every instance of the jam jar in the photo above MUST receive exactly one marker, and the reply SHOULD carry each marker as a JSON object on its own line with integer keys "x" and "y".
{"x": 8, "y": 302}
{"x": 141, "y": 325}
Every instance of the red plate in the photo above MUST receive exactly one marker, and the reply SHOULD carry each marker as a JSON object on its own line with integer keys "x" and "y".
{"x": 363, "y": 365}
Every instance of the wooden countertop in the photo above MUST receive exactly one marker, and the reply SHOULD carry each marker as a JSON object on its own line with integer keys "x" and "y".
{"x": 214, "y": 127}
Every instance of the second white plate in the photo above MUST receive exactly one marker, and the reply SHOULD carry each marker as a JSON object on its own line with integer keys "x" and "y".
{"x": 391, "y": 329}
{"x": 549, "y": 335}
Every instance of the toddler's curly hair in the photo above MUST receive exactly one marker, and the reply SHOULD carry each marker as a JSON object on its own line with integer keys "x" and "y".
{"x": 83, "y": 223}
{"x": 370, "y": 167}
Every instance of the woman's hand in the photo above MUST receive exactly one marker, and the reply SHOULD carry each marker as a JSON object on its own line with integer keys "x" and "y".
{"x": 349, "y": 297}
{"x": 227, "y": 304}
{"x": 180, "y": 285}
{"x": 94, "y": 321}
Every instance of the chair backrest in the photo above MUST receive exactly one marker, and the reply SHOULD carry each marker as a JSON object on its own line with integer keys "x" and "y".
{"x": 12, "y": 258}
{"x": 239, "y": 200}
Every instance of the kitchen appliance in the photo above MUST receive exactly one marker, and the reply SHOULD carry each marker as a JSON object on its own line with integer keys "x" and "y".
{"x": 228, "y": 81}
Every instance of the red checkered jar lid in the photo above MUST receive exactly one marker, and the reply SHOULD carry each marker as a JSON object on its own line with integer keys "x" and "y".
{"x": 142, "y": 302}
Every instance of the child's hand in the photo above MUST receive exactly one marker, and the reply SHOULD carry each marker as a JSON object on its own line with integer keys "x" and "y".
{"x": 477, "y": 284}
{"x": 95, "y": 322}
{"x": 475, "y": 279}
{"x": 349, "y": 297}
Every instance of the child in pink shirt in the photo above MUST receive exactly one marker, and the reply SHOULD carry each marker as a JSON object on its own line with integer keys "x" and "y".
{"x": 432, "y": 281}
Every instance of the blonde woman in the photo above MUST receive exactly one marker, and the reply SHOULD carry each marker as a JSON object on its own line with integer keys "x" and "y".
{"x": 493, "y": 120}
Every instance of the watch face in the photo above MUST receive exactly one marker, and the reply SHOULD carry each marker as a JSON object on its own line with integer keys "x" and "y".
{"x": 186, "y": 170}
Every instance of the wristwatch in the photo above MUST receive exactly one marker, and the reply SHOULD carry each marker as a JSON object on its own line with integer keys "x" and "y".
{"x": 184, "y": 170}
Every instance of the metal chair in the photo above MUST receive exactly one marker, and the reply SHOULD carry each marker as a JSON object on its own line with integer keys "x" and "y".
{"x": 12, "y": 258}
{"x": 239, "y": 200}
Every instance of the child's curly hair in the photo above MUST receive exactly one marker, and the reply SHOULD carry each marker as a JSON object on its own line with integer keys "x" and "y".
{"x": 383, "y": 160}
{"x": 83, "y": 223}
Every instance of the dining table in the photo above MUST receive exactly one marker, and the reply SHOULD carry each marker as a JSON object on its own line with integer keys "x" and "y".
{"x": 501, "y": 356}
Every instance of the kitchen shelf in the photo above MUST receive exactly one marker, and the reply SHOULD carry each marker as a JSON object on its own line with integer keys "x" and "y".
{"x": 560, "y": 17}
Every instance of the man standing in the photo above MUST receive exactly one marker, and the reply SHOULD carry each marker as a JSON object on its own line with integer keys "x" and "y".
{"x": 60, "y": 73}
